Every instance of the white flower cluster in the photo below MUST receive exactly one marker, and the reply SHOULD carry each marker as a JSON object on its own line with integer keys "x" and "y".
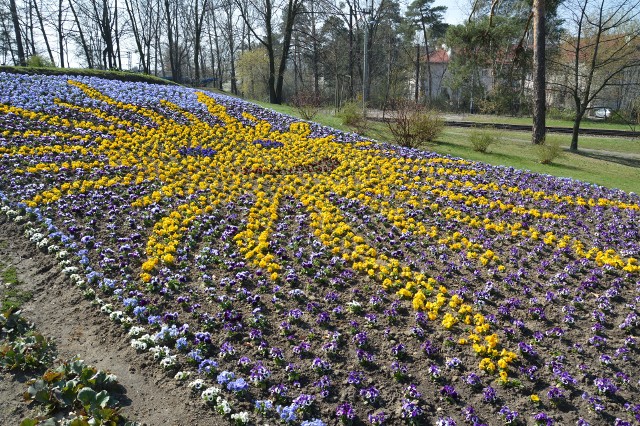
{"x": 241, "y": 418}
{"x": 35, "y": 237}
{"x": 62, "y": 254}
{"x": 42, "y": 243}
{"x": 209, "y": 394}
{"x": 139, "y": 345}
{"x": 120, "y": 318}
{"x": 69, "y": 270}
{"x": 7, "y": 210}
{"x": 222, "y": 406}
{"x": 160, "y": 352}
{"x": 53, "y": 249}
{"x": 65, "y": 263}
{"x": 169, "y": 362}
{"x": 116, "y": 316}
{"x": 107, "y": 308}
{"x": 30, "y": 232}
{"x": 19, "y": 219}
{"x": 143, "y": 343}
{"x": 182, "y": 375}
{"x": 136, "y": 331}
{"x": 77, "y": 280}
{"x": 196, "y": 385}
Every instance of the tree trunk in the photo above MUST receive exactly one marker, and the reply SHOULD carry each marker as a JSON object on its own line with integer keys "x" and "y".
{"x": 539, "y": 82}
{"x": 60, "y": 34}
{"x": 16, "y": 27}
{"x": 351, "y": 89}
{"x": 576, "y": 129}
{"x": 172, "y": 46}
{"x": 117, "y": 35}
{"x": 83, "y": 41}
{"x": 426, "y": 47}
{"x": 292, "y": 11}
{"x": 272, "y": 76}
{"x": 136, "y": 35}
{"x": 416, "y": 94}
{"x": 198, "y": 34}
{"x": 316, "y": 71}
{"x": 32, "y": 37}
{"x": 232, "y": 47}
{"x": 215, "y": 35}
{"x": 44, "y": 33}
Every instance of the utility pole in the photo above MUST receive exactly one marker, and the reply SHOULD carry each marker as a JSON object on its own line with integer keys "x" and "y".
{"x": 365, "y": 72}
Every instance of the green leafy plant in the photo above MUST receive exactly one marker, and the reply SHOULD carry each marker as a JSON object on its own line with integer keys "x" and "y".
{"x": 38, "y": 61}
{"x": 351, "y": 115}
{"x": 411, "y": 124}
{"x": 22, "y": 348}
{"x": 29, "y": 352}
{"x": 548, "y": 151}
{"x": 482, "y": 139}
{"x": 80, "y": 392}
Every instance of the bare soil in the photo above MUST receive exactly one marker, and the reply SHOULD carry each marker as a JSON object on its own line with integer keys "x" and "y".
{"x": 60, "y": 313}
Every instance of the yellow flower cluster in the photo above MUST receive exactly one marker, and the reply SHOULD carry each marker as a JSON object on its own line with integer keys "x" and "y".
{"x": 308, "y": 169}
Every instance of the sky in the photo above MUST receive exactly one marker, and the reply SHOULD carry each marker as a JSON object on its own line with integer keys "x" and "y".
{"x": 457, "y": 10}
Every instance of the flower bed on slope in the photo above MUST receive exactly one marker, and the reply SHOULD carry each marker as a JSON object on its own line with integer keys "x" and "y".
{"x": 289, "y": 272}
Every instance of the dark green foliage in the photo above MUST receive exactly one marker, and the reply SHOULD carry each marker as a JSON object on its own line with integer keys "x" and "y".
{"x": 79, "y": 391}
{"x": 109, "y": 75}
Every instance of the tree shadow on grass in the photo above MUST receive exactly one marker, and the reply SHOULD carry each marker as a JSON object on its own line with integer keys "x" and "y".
{"x": 612, "y": 157}
{"x": 506, "y": 159}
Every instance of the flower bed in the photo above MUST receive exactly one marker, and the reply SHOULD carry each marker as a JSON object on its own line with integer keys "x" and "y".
{"x": 289, "y": 271}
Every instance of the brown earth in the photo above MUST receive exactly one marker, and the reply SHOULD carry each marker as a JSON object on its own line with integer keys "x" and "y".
{"x": 59, "y": 312}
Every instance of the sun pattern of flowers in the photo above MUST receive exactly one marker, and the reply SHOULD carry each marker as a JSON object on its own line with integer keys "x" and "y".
{"x": 200, "y": 160}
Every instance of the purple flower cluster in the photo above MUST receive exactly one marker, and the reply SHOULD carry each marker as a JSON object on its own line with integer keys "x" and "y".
{"x": 543, "y": 263}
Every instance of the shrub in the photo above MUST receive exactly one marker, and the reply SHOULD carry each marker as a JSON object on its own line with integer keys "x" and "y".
{"x": 37, "y": 61}
{"x": 481, "y": 139}
{"x": 412, "y": 124}
{"x": 351, "y": 114}
{"x": 560, "y": 114}
{"x": 307, "y": 104}
{"x": 548, "y": 151}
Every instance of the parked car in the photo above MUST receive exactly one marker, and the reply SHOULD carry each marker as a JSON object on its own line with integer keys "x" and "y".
{"x": 602, "y": 113}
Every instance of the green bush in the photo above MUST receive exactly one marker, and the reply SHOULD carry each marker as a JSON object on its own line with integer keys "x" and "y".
{"x": 411, "y": 124}
{"x": 481, "y": 139}
{"x": 106, "y": 74}
{"x": 548, "y": 151}
{"x": 560, "y": 114}
{"x": 351, "y": 114}
{"x": 427, "y": 126}
{"x": 37, "y": 61}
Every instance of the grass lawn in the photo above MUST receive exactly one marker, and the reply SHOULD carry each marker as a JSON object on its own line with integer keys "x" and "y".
{"x": 586, "y": 123}
{"x": 611, "y": 162}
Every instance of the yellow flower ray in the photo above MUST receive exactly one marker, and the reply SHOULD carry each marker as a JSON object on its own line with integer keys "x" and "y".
{"x": 335, "y": 233}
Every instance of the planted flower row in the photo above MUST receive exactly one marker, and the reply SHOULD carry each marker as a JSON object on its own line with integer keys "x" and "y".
{"x": 312, "y": 276}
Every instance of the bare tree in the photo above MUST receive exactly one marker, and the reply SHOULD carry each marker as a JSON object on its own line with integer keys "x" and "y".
{"x": 602, "y": 43}
{"x": 42, "y": 29}
{"x": 266, "y": 10}
{"x": 16, "y": 27}
{"x": 144, "y": 24}
{"x": 199, "y": 13}
{"x": 81, "y": 35}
